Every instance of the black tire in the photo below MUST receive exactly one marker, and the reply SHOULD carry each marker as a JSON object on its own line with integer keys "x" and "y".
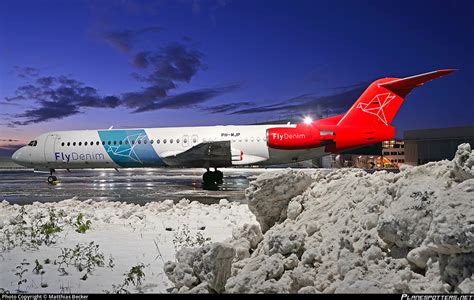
{"x": 207, "y": 178}
{"x": 51, "y": 179}
{"x": 219, "y": 177}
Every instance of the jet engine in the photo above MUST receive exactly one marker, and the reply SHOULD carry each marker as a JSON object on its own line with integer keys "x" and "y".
{"x": 303, "y": 136}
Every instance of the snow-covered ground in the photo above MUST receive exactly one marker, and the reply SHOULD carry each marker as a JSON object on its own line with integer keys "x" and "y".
{"x": 131, "y": 235}
{"x": 346, "y": 232}
{"x": 343, "y": 231}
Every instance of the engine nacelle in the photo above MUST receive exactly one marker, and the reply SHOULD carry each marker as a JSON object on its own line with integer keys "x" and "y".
{"x": 302, "y": 136}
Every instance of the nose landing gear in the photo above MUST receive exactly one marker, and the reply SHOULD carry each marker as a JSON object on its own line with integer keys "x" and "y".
{"x": 52, "y": 179}
{"x": 214, "y": 178}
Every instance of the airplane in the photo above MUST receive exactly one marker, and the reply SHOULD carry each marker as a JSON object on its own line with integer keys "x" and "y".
{"x": 366, "y": 122}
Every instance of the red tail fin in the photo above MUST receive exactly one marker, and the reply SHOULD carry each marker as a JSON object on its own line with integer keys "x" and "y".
{"x": 379, "y": 103}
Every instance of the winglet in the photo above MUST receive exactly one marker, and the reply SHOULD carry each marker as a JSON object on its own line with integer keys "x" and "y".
{"x": 411, "y": 82}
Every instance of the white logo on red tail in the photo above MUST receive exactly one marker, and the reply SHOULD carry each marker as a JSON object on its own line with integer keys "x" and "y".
{"x": 377, "y": 105}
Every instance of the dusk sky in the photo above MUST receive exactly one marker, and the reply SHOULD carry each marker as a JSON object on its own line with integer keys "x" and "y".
{"x": 93, "y": 64}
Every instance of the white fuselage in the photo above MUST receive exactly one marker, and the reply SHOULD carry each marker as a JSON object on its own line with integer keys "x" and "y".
{"x": 153, "y": 147}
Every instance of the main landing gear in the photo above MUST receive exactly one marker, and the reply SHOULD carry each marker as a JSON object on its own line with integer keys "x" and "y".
{"x": 52, "y": 179}
{"x": 212, "y": 178}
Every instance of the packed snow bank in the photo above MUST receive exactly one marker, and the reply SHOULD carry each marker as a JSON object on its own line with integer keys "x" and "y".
{"x": 352, "y": 232}
{"x": 268, "y": 197}
{"x": 122, "y": 247}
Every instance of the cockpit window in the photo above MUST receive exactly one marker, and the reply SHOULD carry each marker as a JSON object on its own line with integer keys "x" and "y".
{"x": 33, "y": 143}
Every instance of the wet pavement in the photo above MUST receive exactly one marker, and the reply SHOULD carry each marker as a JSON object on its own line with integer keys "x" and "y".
{"x": 128, "y": 185}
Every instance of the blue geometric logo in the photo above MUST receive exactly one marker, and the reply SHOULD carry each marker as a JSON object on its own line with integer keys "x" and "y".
{"x": 130, "y": 148}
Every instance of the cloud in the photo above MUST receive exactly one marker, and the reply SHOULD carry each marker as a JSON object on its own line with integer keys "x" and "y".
{"x": 9, "y": 103}
{"x": 187, "y": 99}
{"x": 329, "y": 104}
{"x": 57, "y": 98}
{"x": 174, "y": 62}
{"x": 26, "y": 72}
{"x": 47, "y": 111}
{"x": 225, "y": 108}
{"x": 124, "y": 40}
{"x": 162, "y": 70}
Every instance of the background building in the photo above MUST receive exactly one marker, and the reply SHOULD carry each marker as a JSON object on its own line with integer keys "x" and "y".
{"x": 393, "y": 154}
{"x": 425, "y": 145}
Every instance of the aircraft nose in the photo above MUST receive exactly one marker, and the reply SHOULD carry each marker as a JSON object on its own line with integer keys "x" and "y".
{"x": 18, "y": 156}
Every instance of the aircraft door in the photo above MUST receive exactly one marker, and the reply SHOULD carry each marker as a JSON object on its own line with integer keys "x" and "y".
{"x": 49, "y": 147}
{"x": 185, "y": 141}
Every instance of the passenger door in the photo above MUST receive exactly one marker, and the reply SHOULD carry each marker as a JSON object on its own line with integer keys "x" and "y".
{"x": 49, "y": 148}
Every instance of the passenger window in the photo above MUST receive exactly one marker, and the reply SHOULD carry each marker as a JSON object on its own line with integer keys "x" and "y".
{"x": 92, "y": 144}
{"x": 103, "y": 142}
{"x": 80, "y": 143}
{"x": 258, "y": 139}
{"x": 246, "y": 139}
{"x": 120, "y": 142}
{"x": 115, "y": 142}
{"x": 126, "y": 142}
{"x": 251, "y": 139}
{"x": 85, "y": 143}
{"x": 133, "y": 142}
{"x": 139, "y": 141}
{"x": 158, "y": 141}
{"x": 97, "y": 143}
{"x": 68, "y": 144}
{"x": 74, "y": 144}
{"x": 109, "y": 142}
{"x": 144, "y": 141}
{"x": 164, "y": 141}
{"x": 171, "y": 141}
{"x": 185, "y": 141}
{"x": 151, "y": 142}
{"x": 177, "y": 141}
{"x": 194, "y": 140}
{"x": 62, "y": 144}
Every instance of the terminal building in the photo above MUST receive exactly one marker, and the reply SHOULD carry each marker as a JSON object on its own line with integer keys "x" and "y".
{"x": 425, "y": 145}
{"x": 393, "y": 154}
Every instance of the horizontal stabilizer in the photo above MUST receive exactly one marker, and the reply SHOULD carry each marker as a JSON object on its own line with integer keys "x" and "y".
{"x": 408, "y": 83}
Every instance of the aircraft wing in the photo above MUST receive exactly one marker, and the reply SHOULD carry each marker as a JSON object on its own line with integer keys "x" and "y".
{"x": 203, "y": 155}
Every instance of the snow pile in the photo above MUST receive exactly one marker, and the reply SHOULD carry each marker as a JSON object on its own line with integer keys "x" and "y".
{"x": 352, "y": 232}
{"x": 268, "y": 197}
{"x": 201, "y": 269}
{"x": 44, "y": 238}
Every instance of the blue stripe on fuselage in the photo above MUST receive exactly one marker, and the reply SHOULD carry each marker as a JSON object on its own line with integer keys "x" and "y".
{"x": 135, "y": 149}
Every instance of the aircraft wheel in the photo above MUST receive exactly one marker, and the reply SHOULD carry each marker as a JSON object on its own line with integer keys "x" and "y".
{"x": 207, "y": 178}
{"x": 219, "y": 177}
{"x": 52, "y": 179}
